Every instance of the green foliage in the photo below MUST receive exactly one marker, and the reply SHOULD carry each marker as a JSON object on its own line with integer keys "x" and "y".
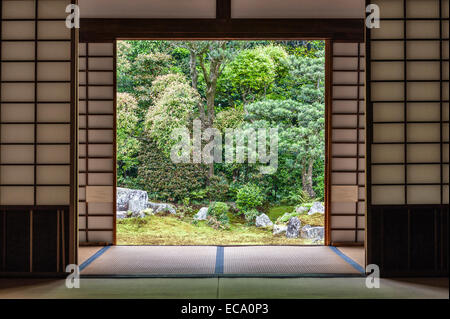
{"x": 127, "y": 141}
{"x": 250, "y": 216}
{"x": 173, "y": 108}
{"x": 260, "y": 84}
{"x": 165, "y": 180}
{"x": 249, "y": 197}
{"x": 286, "y": 217}
{"x": 251, "y": 73}
{"x": 301, "y": 139}
{"x": 218, "y": 215}
{"x": 229, "y": 118}
{"x": 218, "y": 188}
{"x": 297, "y": 196}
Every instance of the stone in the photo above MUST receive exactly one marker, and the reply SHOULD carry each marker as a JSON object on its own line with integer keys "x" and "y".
{"x": 161, "y": 208}
{"x": 263, "y": 221}
{"x": 316, "y": 233}
{"x": 121, "y": 214}
{"x": 201, "y": 214}
{"x": 301, "y": 209}
{"x": 279, "y": 229}
{"x": 138, "y": 199}
{"x": 293, "y": 228}
{"x": 317, "y": 207}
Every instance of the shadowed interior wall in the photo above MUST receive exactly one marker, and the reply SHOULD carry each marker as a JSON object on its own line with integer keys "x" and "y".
{"x": 37, "y": 136}
{"x": 347, "y": 211}
{"x": 97, "y": 131}
{"x": 408, "y": 106}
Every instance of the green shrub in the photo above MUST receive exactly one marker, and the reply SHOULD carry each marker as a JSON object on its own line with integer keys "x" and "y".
{"x": 165, "y": 180}
{"x": 286, "y": 217}
{"x": 250, "y": 216}
{"x": 297, "y": 196}
{"x": 218, "y": 188}
{"x": 248, "y": 197}
{"x": 218, "y": 215}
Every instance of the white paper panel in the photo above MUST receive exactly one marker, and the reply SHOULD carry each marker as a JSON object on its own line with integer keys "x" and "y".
{"x": 17, "y": 50}
{"x": 17, "y": 30}
{"x": 343, "y": 235}
{"x": 17, "y": 154}
{"x": 46, "y": 195}
{"x": 101, "y": 236}
{"x": 50, "y": 9}
{"x": 51, "y": 30}
{"x": 424, "y": 174}
{"x": 387, "y": 70}
{"x": 423, "y": 111}
{"x": 387, "y": 153}
{"x": 18, "y": 9}
{"x": 148, "y": 9}
{"x": 53, "y": 112}
{"x": 18, "y": 133}
{"x": 423, "y": 153}
{"x": 424, "y": 194}
{"x": 17, "y": 195}
{"x": 21, "y": 175}
{"x": 53, "y": 154}
{"x": 53, "y": 133}
{"x": 423, "y": 132}
{"x": 390, "y": 9}
{"x": 53, "y": 174}
{"x": 387, "y": 195}
{"x": 388, "y": 174}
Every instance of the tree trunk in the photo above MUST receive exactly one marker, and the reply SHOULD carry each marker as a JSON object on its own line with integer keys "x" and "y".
{"x": 307, "y": 179}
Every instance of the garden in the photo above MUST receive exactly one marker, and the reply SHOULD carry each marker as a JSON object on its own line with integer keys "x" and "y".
{"x": 224, "y": 85}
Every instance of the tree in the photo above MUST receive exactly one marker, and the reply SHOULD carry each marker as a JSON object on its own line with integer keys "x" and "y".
{"x": 300, "y": 132}
{"x": 174, "y": 107}
{"x": 127, "y": 141}
{"x": 207, "y": 59}
{"x": 250, "y": 74}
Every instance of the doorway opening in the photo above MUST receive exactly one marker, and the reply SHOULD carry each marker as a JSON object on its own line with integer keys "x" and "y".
{"x": 227, "y": 251}
{"x": 220, "y": 142}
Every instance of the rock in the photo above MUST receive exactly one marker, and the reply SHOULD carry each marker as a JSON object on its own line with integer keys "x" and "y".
{"x": 121, "y": 214}
{"x": 161, "y": 208}
{"x": 201, "y": 214}
{"x": 301, "y": 209}
{"x": 293, "y": 228}
{"x": 135, "y": 206}
{"x": 263, "y": 221}
{"x": 315, "y": 233}
{"x": 137, "y": 198}
{"x": 317, "y": 207}
{"x": 279, "y": 229}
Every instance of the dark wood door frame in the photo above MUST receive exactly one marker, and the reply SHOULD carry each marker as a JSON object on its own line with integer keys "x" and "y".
{"x": 107, "y": 30}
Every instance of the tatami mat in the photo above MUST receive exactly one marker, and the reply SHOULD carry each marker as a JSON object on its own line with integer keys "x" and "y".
{"x": 356, "y": 253}
{"x": 85, "y": 252}
{"x": 284, "y": 260}
{"x": 212, "y": 260}
{"x": 154, "y": 260}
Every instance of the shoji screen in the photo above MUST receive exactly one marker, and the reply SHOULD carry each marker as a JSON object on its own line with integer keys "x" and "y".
{"x": 37, "y": 136}
{"x": 97, "y": 143}
{"x": 347, "y": 217}
{"x": 408, "y": 66}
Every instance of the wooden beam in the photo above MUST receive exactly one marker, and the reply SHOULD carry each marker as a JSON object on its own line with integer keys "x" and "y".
{"x": 223, "y": 9}
{"x": 107, "y": 30}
